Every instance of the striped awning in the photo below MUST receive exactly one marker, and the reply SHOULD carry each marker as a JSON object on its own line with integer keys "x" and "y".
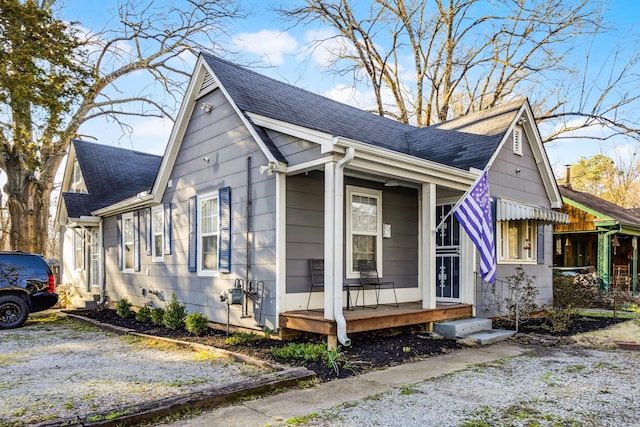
{"x": 509, "y": 210}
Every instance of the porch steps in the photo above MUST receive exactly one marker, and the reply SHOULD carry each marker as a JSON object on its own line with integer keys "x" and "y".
{"x": 477, "y": 329}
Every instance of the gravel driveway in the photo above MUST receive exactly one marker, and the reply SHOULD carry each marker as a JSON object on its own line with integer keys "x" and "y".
{"x": 568, "y": 386}
{"x": 56, "y": 368}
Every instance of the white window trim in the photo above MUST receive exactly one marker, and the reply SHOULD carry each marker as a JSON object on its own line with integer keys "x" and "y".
{"x": 199, "y": 201}
{"x": 78, "y": 264}
{"x": 503, "y": 245}
{"x": 517, "y": 141}
{"x": 77, "y": 186}
{"x": 367, "y": 192}
{"x": 125, "y": 217}
{"x": 154, "y": 256}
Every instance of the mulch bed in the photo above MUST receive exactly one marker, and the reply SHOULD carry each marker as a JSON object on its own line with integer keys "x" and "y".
{"x": 541, "y": 325}
{"x": 370, "y": 350}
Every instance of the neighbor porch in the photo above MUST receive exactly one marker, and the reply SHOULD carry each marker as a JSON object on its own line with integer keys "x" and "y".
{"x": 370, "y": 319}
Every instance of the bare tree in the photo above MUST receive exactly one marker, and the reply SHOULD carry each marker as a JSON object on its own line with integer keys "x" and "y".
{"x": 89, "y": 70}
{"x": 432, "y": 60}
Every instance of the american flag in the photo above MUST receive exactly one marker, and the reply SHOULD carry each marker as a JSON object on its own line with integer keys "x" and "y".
{"x": 474, "y": 215}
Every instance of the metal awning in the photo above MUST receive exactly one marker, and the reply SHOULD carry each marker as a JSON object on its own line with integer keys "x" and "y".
{"x": 509, "y": 210}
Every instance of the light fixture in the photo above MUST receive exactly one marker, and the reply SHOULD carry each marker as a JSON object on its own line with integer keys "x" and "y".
{"x": 269, "y": 168}
{"x": 206, "y": 159}
{"x": 391, "y": 183}
{"x": 206, "y": 107}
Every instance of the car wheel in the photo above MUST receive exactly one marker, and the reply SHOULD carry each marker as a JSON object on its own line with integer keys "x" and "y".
{"x": 13, "y": 311}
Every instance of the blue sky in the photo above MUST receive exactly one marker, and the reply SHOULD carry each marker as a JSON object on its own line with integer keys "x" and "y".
{"x": 275, "y": 48}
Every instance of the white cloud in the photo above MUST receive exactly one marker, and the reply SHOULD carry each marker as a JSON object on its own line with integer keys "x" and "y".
{"x": 325, "y": 45}
{"x": 270, "y": 45}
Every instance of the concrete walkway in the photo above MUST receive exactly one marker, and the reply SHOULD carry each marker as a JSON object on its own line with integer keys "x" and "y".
{"x": 299, "y": 402}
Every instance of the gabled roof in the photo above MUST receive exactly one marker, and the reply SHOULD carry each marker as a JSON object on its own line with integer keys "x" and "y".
{"x": 601, "y": 208}
{"x": 111, "y": 174}
{"x": 464, "y": 143}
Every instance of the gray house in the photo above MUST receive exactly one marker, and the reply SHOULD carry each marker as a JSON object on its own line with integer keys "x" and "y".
{"x": 259, "y": 177}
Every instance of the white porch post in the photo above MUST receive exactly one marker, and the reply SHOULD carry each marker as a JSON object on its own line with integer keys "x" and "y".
{"x": 427, "y": 265}
{"x": 329, "y": 233}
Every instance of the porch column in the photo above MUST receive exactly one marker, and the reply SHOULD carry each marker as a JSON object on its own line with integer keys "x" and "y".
{"x": 427, "y": 265}
{"x": 634, "y": 278}
{"x": 329, "y": 233}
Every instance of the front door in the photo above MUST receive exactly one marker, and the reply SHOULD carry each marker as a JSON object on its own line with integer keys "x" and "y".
{"x": 447, "y": 256}
{"x": 94, "y": 259}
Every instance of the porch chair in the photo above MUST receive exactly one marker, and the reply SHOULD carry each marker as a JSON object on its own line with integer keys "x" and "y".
{"x": 369, "y": 277}
{"x": 621, "y": 277}
{"x": 317, "y": 281}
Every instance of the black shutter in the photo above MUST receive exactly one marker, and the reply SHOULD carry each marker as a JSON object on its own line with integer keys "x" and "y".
{"x": 224, "y": 204}
{"x": 119, "y": 240}
{"x": 193, "y": 247}
{"x": 167, "y": 228}
{"x": 136, "y": 241}
{"x": 540, "y": 244}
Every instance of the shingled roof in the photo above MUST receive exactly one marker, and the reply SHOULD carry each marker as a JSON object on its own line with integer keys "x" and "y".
{"x": 604, "y": 207}
{"x": 111, "y": 174}
{"x": 462, "y": 143}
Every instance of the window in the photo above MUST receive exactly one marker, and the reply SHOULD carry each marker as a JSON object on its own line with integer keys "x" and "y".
{"x": 208, "y": 231}
{"x": 517, "y": 141}
{"x": 78, "y": 249}
{"x": 77, "y": 183}
{"x": 364, "y": 228}
{"x": 128, "y": 242}
{"x": 517, "y": 241}
{"x": 157, "y": 232}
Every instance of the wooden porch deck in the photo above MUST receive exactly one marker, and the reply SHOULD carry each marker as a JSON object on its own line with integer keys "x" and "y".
{"x": 370, "y": 319}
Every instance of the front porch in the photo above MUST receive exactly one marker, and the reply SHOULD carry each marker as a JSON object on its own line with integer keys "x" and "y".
{"x": 370, "y": 319}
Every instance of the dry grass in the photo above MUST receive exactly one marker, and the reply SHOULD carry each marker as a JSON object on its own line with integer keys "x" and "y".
{"x": 605, "y": 338}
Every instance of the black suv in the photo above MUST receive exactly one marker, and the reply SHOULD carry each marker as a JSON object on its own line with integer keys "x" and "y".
{"x": 27, "y": 285}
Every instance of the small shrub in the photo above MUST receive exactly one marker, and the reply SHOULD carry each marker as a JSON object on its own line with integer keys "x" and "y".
{"x": 522, "y": 295}
{"x": 196, "y": 323}
{"x": 569, "y": 295}
{"x": 174, "y": 314}
{"x": 157, "y": 316}
{"x": 310, "y": 352}
{"x": 144, "y": 314}
{"x": 65, "y": 293}
{"x": 123, "y": 308}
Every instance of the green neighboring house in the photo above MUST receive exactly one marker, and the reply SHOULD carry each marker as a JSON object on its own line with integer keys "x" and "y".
{"x": 600, "y": 234}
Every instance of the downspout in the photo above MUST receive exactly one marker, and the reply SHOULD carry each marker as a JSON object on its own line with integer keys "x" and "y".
{"x": 341, "y": 324}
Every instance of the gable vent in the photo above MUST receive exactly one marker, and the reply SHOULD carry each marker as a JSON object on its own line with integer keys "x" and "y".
{"x": 208, "y": 85}
{"x": 517, "y": 141}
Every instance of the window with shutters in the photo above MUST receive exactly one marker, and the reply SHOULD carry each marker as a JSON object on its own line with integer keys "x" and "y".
{"x": 208, "y": 234}
{"x": 129, "y": 246}
{"x": 517, "y": 241}
{"x": 157, "y": 232}
{"x": 517, "y": 141}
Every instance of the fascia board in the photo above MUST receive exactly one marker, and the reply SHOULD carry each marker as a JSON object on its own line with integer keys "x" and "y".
{"x": 128, "y": 205}
{"x": 83, "y": 221}
{"x": 587, "y": 209}
{"x": 66, "y": 179}
{"x": 322, "y": 138}
{"x": 403, "y": 163}
{"x": 178, "y": 131}
{"x": 539, "y": 154}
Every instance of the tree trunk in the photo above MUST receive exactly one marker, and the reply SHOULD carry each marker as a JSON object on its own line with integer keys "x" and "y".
{"x": 28, "y": 203}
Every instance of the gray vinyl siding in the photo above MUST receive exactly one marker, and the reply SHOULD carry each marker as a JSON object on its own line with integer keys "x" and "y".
{"x": 295, "y": 150}
{"x": 221, "y": 137}
{"x": 305, "y": 230}
{"x": 526, "y": 185}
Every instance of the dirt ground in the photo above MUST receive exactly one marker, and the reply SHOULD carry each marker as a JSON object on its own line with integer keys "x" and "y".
{"x": 371, "y": 350}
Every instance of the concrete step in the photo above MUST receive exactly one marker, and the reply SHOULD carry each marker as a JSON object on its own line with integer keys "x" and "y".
{"x": 490, "y": 336}
{"x": 462, "y": 327}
